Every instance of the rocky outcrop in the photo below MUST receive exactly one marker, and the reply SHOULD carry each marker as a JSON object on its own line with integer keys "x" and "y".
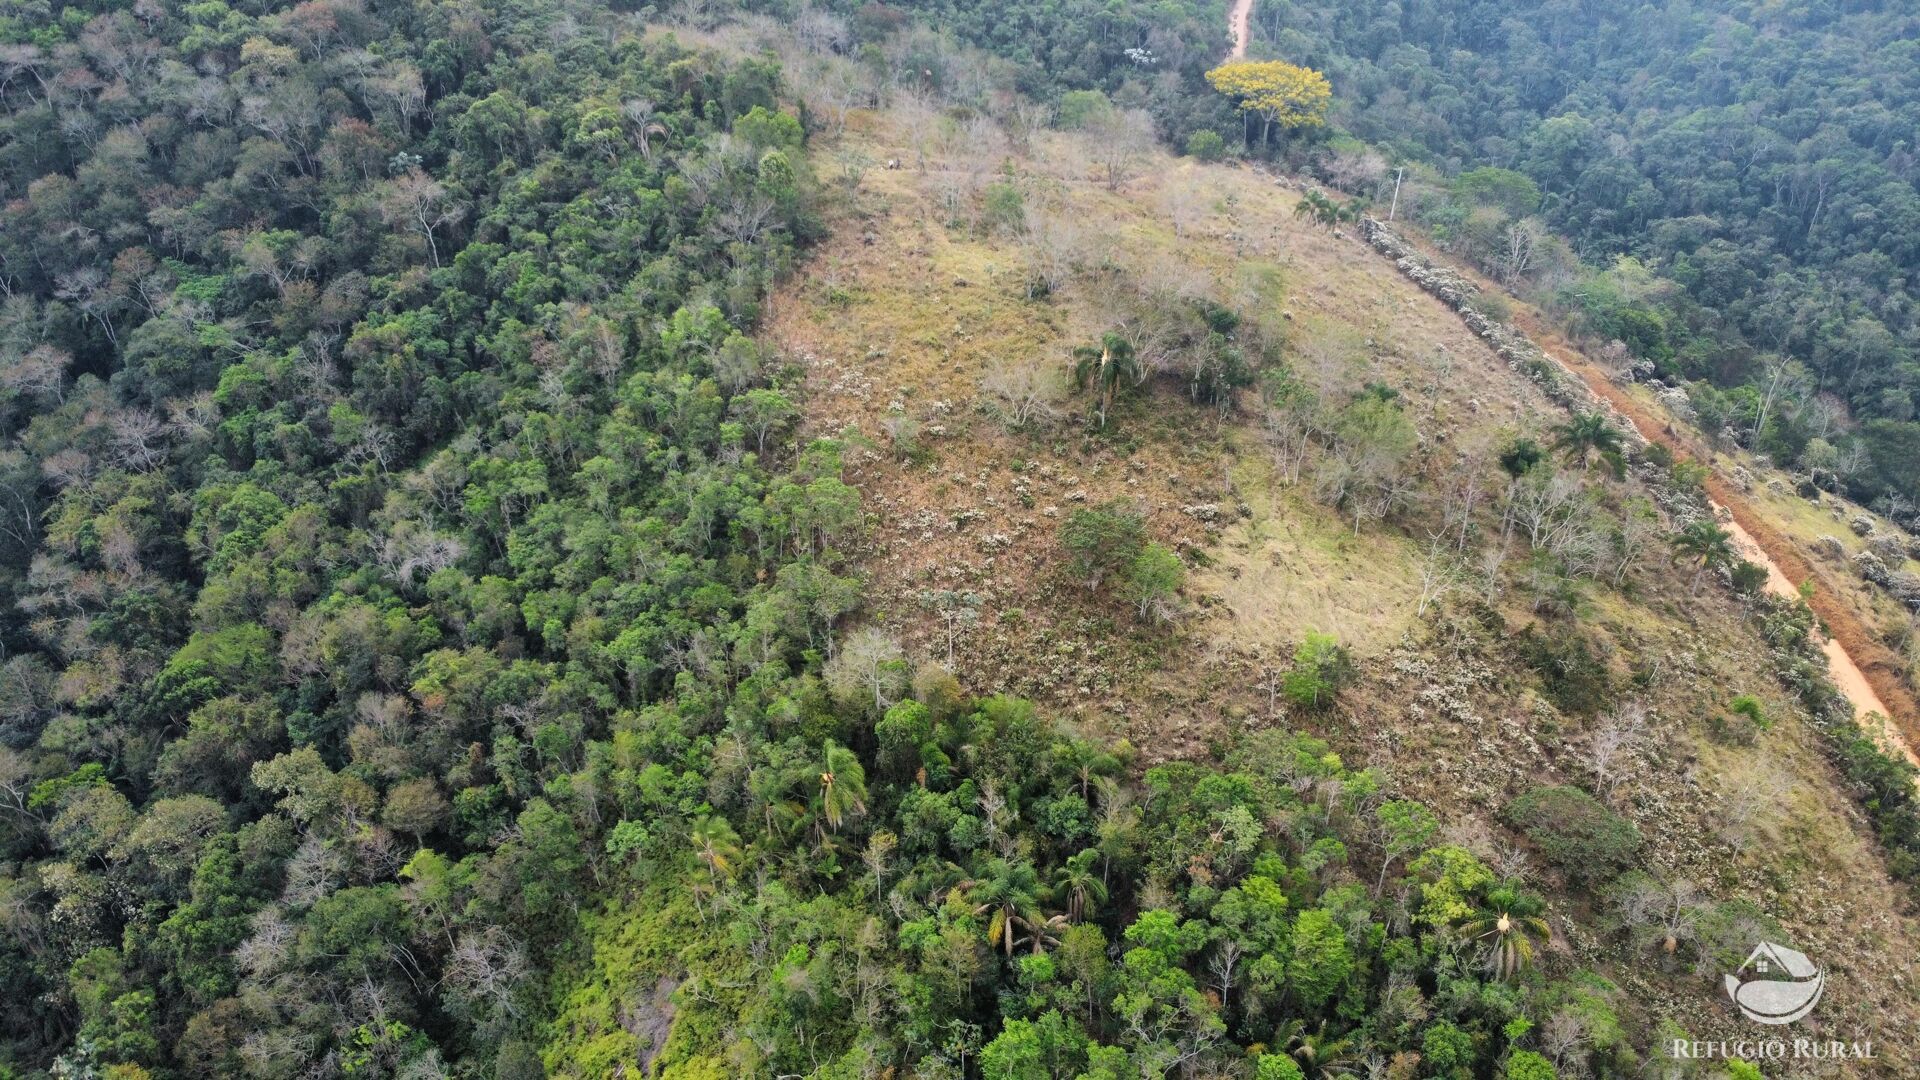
{"x": 1525, "y": 357}
{"x": 1520, "y": 352}
{"x": 1905, "y": 587}
{"x": 1891, "y": 549}
{"x": 1901, "y": 585}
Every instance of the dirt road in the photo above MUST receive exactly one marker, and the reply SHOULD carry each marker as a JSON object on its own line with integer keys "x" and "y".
{"x": 1859, "y": 665}
{"x": 1237, "y": 26}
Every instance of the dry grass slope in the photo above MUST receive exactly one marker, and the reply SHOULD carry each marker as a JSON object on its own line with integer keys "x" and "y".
{"x": 913, "y": 305}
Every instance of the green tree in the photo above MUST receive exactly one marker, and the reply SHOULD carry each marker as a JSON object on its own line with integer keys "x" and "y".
{"x": 716, "y": 844}
{"x": 763, "y": 412}
{"x": 1103, "y": 540}
{"x": 1009, "y": 893}
{"x": 1321, "y": 960}
{"x": 1507, "y": 926}
{"x": 1083, "y": 887}
{"x": 1110, "y": 370}
{"x": 1406, "y": 828}
{"x": 1520, "y": 456}
{"x": 1527, "y": 1065}
{"x": 1153, "y": 580}
{"x": 1017, "y": 1053}
{"x": 1588, "y": 435}
{"x": 415, "y": 807}
{"x": 1704, "y": 544}
{"x": 1276, "y": 1067}
{"x": 1206, "y": 145}
{"x": 1321, "y": 668}
{"x": 1448, "y": 1050}
{"x": 842, "y": 790}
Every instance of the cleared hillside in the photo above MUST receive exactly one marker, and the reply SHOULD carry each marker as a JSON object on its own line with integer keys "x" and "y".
{"x": 910, "y": 318}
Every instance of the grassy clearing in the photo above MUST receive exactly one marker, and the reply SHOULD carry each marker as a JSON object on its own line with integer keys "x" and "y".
{"x": 911, "y": 306}
{"x": 1288, "y": 566}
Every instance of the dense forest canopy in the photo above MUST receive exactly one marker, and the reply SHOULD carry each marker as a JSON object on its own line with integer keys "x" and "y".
{"x": 376, "y": 413}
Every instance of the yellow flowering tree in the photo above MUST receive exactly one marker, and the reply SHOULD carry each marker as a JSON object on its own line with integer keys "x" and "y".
{"x": 1283, "y": 95}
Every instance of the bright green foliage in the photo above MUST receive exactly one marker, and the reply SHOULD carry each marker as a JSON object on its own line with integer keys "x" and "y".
{"x": 1276, "y": 1067}
{"x": 1449, "y": 1051}
{"x": 1750, "y": 707}
{"x": 1321, "y": 959}
{"x": 1080, "y": 109}
{"x": 1153, "y": 580}
{"x": 1527, "y": 1065}
{"x": 1206, "y": 145}
{"x": 1321, "y": 666}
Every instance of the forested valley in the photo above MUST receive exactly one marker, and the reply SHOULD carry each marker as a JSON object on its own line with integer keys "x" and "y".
{"x": 1729, "y": 189}
{"x": 450, "y": 626}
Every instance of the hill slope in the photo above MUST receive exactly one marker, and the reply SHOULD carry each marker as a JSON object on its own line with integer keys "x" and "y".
{"x": 908, "y": 323}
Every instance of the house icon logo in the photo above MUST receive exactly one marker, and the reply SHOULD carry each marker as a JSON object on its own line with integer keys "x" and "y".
{"x": 1776, "y": 985}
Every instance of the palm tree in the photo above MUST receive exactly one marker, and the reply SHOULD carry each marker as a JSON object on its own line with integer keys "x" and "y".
{"x": 1010, "y": 890}
{"x": 1705, "y": 544}
{"x": 1313, "y": 206}
{"x": 1520, "y": 457}
{"x": 1080, "y": 884}
{"x": 1044, "y": 934}
{"x": 1319, "y": 1054}
{"x": 716, "y": 843}
{"x": 773, "y": 787}
{"x": 641, "y": 114}
{"x": 1107, "y": 370}
{"x": 1317, "y": 207}
{"x": 843, "y": 788}
{"x": 1588, "y": 434}
{"x": 1088, "y": 764}
{"x": 1508, "y": 926}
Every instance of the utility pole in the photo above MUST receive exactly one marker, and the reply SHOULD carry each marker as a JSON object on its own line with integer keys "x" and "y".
{"x": 1395, "y": 208}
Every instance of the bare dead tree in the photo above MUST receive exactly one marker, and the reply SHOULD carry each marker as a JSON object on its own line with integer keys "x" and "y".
{"x": 1565, "y": 1037}
{"x": 1613, "y": 745}
{"x": 422, "y": 204}
{"x": 1520, "y": 249}
{"x": 139, "y": 438}
{"x": 1439, "y": 572}
{"x": 1029, "y": 392}
{"x": 1051, "y": 247}
{"x": 1661, "y": 914}
{"x": 1121, "y": 142}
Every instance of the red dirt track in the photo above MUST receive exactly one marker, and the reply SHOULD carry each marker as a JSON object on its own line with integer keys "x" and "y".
{"x": 1876, "y": 663}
